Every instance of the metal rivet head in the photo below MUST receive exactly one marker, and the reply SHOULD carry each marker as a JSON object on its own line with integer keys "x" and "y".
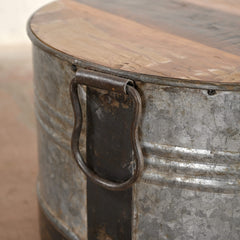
{"x": 211, "y": 92}
{"x": 74, "y": 68}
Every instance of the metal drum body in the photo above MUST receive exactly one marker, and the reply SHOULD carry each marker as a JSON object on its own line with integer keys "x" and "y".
{"x": 190, "y": 139}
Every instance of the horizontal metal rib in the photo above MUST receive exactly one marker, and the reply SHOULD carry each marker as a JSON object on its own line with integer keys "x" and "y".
{"x": 51, "y": 110}
{"x": 191, "y": 182}
{"x": 188, "y": 153}
{"x": 57, "y": 131}
{"x": 192, "y": 168}
{"x": 166, "y": 165}
{"x": 52, "y": 133}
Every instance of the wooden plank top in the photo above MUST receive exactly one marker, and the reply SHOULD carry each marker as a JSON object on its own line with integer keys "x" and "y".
{"x": 192, "y": 40}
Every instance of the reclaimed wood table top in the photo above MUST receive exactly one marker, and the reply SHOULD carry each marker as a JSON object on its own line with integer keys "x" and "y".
{"x": 183, "y": 39}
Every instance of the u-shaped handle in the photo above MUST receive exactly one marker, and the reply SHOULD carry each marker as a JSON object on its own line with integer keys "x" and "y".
{"x": 116, "y": 84}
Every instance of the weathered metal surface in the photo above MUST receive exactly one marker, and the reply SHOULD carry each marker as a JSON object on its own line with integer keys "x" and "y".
{"x": 190, "y": 138}
{"x": 190, "y": 187}
{"x": 51, "y": 227}
{"x": 174, "y": 213}
{"x": 110, "y": 154}
{"x": 120, "y": 86}
{"x": 61, "y": 184}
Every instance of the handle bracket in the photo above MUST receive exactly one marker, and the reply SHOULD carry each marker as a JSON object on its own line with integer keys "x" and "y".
{"x": 115, "y": 84}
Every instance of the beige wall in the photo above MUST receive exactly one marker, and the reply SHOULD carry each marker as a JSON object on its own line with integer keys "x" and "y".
{"x": 13, "y": 18}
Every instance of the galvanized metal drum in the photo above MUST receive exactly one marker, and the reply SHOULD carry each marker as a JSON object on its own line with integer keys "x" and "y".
{"x": 138, "y": 125}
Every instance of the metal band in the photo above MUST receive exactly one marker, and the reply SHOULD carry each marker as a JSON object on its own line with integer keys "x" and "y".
{"x": 103, "y": 81}
{"x": 109, "y": 153}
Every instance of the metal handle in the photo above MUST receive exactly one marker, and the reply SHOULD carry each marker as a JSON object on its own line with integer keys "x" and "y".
{"x": 116, "y": 84}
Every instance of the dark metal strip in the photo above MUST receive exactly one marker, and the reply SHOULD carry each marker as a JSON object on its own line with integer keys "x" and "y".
{"x": 109, "y": 154}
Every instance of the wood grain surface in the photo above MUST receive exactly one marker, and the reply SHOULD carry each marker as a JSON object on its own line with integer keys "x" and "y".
{"x": 196, "y": 40}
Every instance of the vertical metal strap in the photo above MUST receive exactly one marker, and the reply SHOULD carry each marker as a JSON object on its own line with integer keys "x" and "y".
{"x": 109, "y": 153}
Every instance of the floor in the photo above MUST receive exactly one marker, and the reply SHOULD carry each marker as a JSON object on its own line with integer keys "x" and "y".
{"x": 18, "y": 148}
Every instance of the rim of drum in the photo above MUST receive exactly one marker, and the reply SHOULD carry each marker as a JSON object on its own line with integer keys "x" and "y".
{"x": 145, "y": 78}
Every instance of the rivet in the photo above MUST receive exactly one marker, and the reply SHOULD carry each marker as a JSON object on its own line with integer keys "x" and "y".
{"x": 211, "y": 92}
{"x": 74, "y": 68}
